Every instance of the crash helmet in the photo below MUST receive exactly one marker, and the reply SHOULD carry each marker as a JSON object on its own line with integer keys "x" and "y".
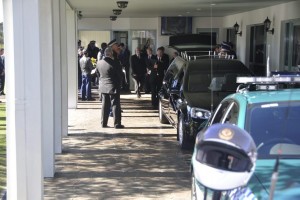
{"x": 224, "y": 157}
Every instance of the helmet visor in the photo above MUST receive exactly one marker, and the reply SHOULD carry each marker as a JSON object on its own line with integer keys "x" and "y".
{"x": 224, "y": 157}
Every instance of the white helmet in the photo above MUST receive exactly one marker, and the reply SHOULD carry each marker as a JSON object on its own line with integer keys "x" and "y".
{"x": 224, "y": 157}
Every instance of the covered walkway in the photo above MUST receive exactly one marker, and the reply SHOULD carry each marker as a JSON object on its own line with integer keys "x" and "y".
{"x": 142, "y": 161}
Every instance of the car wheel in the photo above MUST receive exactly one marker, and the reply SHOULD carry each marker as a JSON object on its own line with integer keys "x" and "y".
{"x": 162, "y": 117}
{"x": 193, "y": 188}
{"x": 183, "y": 138}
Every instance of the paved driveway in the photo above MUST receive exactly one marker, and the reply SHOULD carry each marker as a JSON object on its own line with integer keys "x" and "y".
{"x": 142, "y": 161}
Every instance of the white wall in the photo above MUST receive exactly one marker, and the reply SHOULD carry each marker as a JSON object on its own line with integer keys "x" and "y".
{"x": 276, "y": 14}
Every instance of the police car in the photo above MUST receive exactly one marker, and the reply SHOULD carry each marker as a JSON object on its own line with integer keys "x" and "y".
{"x": 268, "y": 108}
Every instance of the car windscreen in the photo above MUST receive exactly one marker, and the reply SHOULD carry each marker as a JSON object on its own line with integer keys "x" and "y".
{"x": 275, "y": 128}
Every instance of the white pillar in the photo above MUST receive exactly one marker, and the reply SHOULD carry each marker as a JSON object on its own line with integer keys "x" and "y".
{"x": 64, "y": 67}
{"x": 24, "y": 97}
{"x": 57, "y": 77}
{"x": 72, "y": 59}
{"x": 47, "y": 87}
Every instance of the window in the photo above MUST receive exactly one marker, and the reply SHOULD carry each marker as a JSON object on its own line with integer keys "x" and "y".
{"x": 231, "y": 37}
{"x": 292, "y": 45}
{"x": 231, "y": 115}
{"x": 258, "y": 50}
{"x": 143, "y": 39}
{"x": 220, "y": 111}
{"x": 280, "y": 132}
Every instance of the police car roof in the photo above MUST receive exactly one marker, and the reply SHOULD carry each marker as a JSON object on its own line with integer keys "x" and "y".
{"x": 267, "y": 96}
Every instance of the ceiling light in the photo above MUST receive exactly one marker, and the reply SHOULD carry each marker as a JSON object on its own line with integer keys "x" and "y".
{"x": 117, "y": 11}
{"x": 122, "y": 4}
{"x": 113, "y": 18}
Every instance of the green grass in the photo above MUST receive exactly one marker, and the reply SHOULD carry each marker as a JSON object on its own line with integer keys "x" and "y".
{"x": 2, "y": 147}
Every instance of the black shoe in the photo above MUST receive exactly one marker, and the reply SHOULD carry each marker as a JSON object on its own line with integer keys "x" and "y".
{"x": 105, "y": 126}
{"x": 91, "y": 99}
{"x": 2, "y": 93}
{"x": 119, "y": 126}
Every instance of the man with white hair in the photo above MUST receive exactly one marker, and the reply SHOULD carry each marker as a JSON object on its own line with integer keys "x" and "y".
{"x": 109, "y": 87}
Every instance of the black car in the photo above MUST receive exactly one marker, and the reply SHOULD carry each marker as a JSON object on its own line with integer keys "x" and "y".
{"x": 191, "y": 89}
{"x": 169, "y": 92}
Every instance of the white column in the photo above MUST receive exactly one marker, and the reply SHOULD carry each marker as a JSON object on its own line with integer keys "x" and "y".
{"x": 72, "y": 59}
{"x": 24, "y": 97}
{"x": 57, "y": 77}
{"x": 47, "y": 87}
{"x": 64, "y": 67}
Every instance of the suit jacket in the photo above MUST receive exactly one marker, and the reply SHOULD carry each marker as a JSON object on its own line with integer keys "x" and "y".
{"x": 110, "y": 76}
{"x": 138, "y": 65}
{"x": 150, "y": 62}
{"x": 166, "y": 61}
{"x": 86, "y": 65}
{"x": 159, "y": 72}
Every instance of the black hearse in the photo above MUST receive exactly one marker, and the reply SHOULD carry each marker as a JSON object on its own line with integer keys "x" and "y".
{"x": 192, "y": 89}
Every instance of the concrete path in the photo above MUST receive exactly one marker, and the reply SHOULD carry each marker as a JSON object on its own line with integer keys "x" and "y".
{"x": 142, "y": 161}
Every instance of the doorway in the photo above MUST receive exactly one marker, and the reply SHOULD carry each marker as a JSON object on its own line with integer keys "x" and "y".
{"x": 121, "y": 36}
{"x": 258, "y": 50}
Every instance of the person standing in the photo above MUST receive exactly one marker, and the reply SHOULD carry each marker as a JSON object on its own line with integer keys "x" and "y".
{"x": 124, "y": 58}
{"x": 175, "y": 54}
{"x": 86, "y": 68}
{"x": 138, "y": 67}
{"x": 150, "y": 60}
{"x": 156, "y": 77}
{"x": 165, "y": 57}
{"x": 93, "y": 51}
{"x": 109, "y": 87}
{"x": 2, "y": 71}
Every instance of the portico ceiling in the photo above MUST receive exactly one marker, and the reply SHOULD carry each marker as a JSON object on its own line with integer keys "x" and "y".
{"x": 158, "y": 8}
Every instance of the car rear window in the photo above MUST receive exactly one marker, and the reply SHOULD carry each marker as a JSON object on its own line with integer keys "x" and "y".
{"x": 275, "y": 128}
{"x": 202, "y": 82}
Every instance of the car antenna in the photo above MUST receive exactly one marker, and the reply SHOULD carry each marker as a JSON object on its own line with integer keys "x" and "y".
{"x": 274, "y": 179}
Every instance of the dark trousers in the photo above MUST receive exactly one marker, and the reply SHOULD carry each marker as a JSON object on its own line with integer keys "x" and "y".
{"x": 86, "y": 87}
{"x": 156, "y": 83}
{"x": 139, "y": 83}
{"x": 113, "y": 101}
{"x": 147, "y": 85}
{"x": 2, "y": 83}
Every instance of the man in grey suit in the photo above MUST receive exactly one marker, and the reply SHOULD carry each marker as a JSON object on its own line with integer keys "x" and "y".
{"x": 110, "y": 86}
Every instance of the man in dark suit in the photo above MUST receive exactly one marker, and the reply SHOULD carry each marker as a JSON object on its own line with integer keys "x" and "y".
{"x": 156, "y": 77}
{"x": 109, "y": 87}
{"x": 138, "y": 67}
{"x": 165, "y": 57}
{"x": 150, "y": 60}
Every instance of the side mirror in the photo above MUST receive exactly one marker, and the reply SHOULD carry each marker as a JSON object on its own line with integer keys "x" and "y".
{"x": 179, "y": 104}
